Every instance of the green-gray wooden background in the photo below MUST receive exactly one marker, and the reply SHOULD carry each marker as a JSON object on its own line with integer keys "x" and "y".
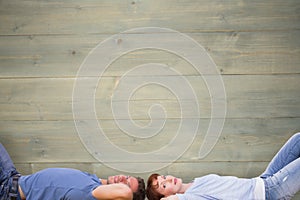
{"x": 255, "y": 45}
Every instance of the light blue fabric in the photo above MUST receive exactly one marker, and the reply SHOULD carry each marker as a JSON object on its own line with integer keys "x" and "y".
{"x": 59, "y": 184}
{"x": 7, "y": 170}
{"x": 282, "y": 176}
{"x": 213, "y": 187}
{"x": 281, "y": 179}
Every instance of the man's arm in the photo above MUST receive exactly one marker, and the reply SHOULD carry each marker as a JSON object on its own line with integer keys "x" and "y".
{"x": 118, "y": 191}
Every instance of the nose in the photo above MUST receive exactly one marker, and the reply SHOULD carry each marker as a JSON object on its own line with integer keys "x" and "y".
{"x": 123, "y": 179}
{"x": 170, "y": 179}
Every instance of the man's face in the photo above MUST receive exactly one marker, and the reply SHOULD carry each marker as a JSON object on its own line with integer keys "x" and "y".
{"x": 131, "y": 181}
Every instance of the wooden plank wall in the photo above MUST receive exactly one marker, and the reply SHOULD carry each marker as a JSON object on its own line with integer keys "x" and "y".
{"x": 255, "y": 45}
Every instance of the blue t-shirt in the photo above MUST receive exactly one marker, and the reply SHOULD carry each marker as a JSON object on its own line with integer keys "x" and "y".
{"x": 59, "y": 184}
{"x": 214, "y": 187}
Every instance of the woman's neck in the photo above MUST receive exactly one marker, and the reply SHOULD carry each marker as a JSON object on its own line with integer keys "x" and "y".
{"x": 184, "y": 187}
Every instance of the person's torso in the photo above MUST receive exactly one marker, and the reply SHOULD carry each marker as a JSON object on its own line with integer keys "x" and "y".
{"x": 212, "y": 187}
{"x": 59, "y": 184}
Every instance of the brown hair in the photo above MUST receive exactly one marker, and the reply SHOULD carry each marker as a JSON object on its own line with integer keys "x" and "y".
{"x": 151, "y": 190}
{"x": 140, "y": 193}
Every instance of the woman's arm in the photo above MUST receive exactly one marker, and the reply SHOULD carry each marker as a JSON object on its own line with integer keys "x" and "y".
{"x": 118, "y": 191}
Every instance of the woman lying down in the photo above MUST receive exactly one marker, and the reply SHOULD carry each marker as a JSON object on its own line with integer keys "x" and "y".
{"x": 281, "y": 180}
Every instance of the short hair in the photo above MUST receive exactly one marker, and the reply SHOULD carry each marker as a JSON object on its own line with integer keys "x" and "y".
{"x": 140, "y": 193}
{"x": 152, "y": 193}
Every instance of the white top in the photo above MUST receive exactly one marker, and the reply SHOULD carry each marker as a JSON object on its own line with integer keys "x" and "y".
{"x": 259, "y": 190}
{"x": 214, "y": 187}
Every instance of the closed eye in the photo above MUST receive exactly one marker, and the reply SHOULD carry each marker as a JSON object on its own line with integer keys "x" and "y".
{"x": 128, "y": 182}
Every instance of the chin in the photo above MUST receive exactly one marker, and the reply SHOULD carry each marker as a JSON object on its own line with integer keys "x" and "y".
{"x": 179, "y": 180}
{"x": 110, "y": 180}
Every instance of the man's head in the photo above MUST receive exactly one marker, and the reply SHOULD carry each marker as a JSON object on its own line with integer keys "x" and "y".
{"x": 140, "y": 193}
{"x": 136, "y": 184}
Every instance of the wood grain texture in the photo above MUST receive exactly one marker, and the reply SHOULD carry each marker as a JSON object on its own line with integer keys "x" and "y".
{"x": 254, "y": 44}
{"x": 233, "y": 52}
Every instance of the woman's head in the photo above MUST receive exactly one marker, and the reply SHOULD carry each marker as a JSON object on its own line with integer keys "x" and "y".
{"x": 151, "y": 191}
{"x": 159, "y": 186}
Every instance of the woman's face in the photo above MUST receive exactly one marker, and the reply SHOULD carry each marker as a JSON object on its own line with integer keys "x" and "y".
{"x": 167, "y": 185}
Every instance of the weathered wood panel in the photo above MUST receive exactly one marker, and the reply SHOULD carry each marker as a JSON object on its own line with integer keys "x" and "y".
{"x": 255, "y": 45}
{"x": 77, "y": 17}
{"x": 51, "y": 99}
{"x": 186, "y": 170}
{"x": 241, "y": 140}
{"x": 233, "y": 52}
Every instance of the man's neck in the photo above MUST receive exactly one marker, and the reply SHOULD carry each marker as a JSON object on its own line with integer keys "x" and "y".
{"x": 104, "y": 181}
